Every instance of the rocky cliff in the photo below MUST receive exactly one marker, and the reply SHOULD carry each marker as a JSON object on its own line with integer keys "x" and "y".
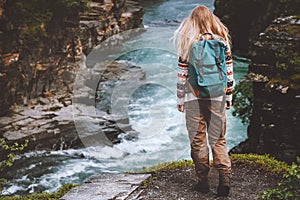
{"x": 247, "y": 18}
{"x": 42, "y": 45}
{"x": 269, "y": 32}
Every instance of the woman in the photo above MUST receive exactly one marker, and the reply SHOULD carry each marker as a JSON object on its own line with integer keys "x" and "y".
{"x": 204, "y": 115}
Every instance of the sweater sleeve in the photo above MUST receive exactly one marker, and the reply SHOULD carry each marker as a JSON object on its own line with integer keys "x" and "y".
{"x": 182, "y": 75}
{"x": 230, "y": 79}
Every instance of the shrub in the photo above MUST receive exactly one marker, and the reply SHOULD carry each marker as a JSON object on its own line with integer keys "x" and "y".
{"x": 288, "y": 188}
{"x": 10, "y": 156}
{"x": 265, "y": 162}
{"x": 243, "y": 100}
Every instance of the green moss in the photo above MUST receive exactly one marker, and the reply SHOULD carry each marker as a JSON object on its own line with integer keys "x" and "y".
{"x": 292, "y": 81}
{"x": 43, "y": 196}
{"x": 146, "y": 183}
{"x": 265, "y": 162}
{"x": 166, "y": 166}
{"x": 293, "y": 30}
{"x": 287, "y": 71}
{"x": 287, "y": 61}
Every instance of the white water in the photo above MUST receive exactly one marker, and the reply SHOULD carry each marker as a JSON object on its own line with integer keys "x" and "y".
{"x": 152, "y": 112}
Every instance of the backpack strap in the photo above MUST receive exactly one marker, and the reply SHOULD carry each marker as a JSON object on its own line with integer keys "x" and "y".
{"x": 201, "y": 37}
{"x": 200, "y": 61}
{"x": 218, "y": 57}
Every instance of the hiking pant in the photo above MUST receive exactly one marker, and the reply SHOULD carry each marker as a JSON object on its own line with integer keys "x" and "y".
{"x": 206, "y": 116}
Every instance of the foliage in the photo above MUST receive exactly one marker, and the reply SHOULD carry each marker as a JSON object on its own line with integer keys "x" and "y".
{"x": 287, "y": 69}
{"x": 42, "y": 16}
{"x": 167, "y": 166}
{"x": 264, "y": 162}
{"x": 288, "y": 61}
{"x": 43, "y": 196}
{"x": 288, "y": 188}
{"x": 10, "y": 156}
{"x": 292, "y": 81}
{"x": 243, "y": 100}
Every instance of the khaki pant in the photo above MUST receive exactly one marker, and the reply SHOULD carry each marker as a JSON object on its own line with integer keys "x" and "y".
{"x": 204, "y": 116}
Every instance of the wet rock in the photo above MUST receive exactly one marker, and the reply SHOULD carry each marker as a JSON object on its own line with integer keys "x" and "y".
{"x": 107, "y": 186}
{"x": 275, "y": 74}
{"x": 44, "y": 81}
{"x": 51, "y": 64}
{"x": 43, "y": 101}
{"x": 57, "y": 125}
{"x": 246, "y": 19}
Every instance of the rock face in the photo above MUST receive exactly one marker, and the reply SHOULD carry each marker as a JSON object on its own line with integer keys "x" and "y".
{"x": 55, "y": 123}
{"x": 273, "y": 45}
{"x": 274, "y": 124}
{"x": 247, "y": 18}
{"x": 109, "y": 186}
{"x": 40, "y": 55}
{"x": 41, "y": 58}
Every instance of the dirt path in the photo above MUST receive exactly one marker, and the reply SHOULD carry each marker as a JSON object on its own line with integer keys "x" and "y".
{"x": 177, "y": 184}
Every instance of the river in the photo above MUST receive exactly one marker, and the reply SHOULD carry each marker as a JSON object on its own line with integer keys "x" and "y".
{"x": 151, "y": 111}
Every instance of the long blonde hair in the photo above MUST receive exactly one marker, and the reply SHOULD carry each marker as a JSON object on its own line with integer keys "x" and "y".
{"x": 200, "y": 21}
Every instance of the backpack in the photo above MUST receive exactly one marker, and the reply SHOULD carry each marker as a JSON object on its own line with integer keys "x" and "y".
{"x": 207, "y": 73}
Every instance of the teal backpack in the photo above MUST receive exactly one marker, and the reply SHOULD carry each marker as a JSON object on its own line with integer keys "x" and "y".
{"x": 207, "y": 73}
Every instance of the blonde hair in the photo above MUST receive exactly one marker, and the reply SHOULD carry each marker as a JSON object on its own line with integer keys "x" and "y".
{"x": 200, "y": 21}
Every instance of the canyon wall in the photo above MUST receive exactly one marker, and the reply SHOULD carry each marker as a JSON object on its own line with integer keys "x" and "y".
{"x": 42, "y": 44}
{"x": 268, "y": 32}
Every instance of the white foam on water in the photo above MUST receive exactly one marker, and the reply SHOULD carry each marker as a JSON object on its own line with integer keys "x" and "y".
{"x": 153, "y": 113}
{"x": 12, "y": 190}
{"x": 103, "y": 153}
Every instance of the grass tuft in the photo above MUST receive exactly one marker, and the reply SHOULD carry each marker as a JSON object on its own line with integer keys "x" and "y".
{"x": 265, "y": 162}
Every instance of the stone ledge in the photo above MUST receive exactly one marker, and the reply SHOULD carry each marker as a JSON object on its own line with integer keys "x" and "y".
{"x": 107, "y": 186}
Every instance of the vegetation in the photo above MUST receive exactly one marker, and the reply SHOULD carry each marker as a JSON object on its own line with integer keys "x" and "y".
{"x": 287, "y": 61}
{"x": 288, "y": 188}
{"x": 10, "y": 151}
{"x": 265, "y": 162}
{"x": 43, "y": 196}
{"x": 43, "y": 18}
{"x": 287, "y": 69}
{"x": 243, "y": 100}
{"x": 167, "y": 166}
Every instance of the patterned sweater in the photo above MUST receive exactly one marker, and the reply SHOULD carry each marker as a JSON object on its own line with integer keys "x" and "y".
{"x": 183, "y": 92}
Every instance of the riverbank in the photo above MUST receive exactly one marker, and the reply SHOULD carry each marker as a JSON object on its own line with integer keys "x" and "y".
{"x": 37, "y": 86}
{"x": 48, "y": 170}
{"x": 48, "y": 124}
{"x": 178, "y": 184}
{"x": 251, "y": 175}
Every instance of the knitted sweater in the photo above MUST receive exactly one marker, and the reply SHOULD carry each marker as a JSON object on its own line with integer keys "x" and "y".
{"x": 183, "y": 92}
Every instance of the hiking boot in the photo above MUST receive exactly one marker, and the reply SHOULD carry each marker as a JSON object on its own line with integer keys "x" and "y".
{"x": 224, "y": 185}
{"x": 202, "y": 185}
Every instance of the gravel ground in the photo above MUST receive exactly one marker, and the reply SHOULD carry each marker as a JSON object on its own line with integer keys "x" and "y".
{"x": 177, "y": 184}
